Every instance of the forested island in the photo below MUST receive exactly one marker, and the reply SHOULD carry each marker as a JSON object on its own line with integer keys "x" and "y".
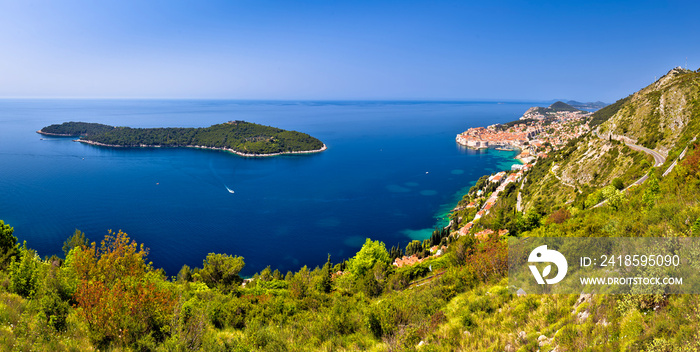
{"x": 240, "y": 137}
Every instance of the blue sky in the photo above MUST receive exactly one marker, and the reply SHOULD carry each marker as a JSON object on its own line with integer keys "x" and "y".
{"x": 328, "y": 50}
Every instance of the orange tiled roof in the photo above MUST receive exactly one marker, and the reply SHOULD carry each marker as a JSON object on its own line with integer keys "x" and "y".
{"x": 403, "y": 261}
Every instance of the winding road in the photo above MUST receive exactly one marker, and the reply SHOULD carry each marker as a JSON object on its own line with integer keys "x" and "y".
{"x": 659, "y": 159}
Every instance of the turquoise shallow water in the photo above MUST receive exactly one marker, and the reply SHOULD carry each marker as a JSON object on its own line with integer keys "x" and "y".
{"x": 391, "y": 172}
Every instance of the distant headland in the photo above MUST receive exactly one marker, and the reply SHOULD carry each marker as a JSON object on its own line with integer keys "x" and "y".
{"x": 239, "y": 137}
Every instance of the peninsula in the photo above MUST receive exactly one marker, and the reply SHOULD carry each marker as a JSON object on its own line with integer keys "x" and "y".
{"x": 239, "y": 137}
{"x": 537, "y": 132}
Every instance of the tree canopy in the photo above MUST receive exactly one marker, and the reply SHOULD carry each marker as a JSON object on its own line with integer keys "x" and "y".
{"x": 8, "y": 243}
{"x": 371, "y": 253}
{"x": 221, "y": 270}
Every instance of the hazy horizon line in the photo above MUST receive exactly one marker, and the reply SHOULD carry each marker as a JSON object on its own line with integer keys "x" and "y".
{"x": 446, "y": 100}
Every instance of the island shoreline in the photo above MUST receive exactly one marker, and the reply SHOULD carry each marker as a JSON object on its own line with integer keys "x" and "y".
{"x": 247, "y": 155}
{"x": 55, "y": 134}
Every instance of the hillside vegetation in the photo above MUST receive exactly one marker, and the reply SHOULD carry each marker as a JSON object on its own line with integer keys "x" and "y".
{"x": 551, "y": 110}
{"x": 590, "y": 105}
{"x": 107, "y": 296}
{"x": 587, "y": 164}
{"x": 561, "y": 106}
{"x": 661, "y": 115}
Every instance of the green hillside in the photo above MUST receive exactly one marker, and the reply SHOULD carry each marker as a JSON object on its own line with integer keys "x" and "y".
{"x": 561, "y": 106}
{"x": 661, "y": 115}
{"x": 107, "y": 296}
{"x": 605, "y": 113}
{"x": 553, "y": 109}
{"x": 580, "y": 168}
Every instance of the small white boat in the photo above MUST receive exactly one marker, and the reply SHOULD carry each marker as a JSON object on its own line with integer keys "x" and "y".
{"x": 228, "y": 189}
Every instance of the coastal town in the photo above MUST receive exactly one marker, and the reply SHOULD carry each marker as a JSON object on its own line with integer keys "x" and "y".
{"x": 536, "y": 134}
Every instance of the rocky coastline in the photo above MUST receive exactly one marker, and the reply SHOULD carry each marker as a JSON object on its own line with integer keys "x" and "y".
{"x": 248, "y": 155}
{"x": 55, "y": 134}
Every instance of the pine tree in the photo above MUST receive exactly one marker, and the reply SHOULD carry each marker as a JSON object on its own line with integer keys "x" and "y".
{"x": 8, "y": 244}
{"x": 325, "y": 284}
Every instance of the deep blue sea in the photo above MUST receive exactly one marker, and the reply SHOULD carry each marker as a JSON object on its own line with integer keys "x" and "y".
{"x": 391, "y": 172}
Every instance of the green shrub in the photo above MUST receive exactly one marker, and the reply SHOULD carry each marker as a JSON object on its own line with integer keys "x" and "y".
{"x": 55, "y": 310}
{"x": 481, "y": 304}
{"x": 631, "y": 327}
{"x": 24, "y": 273}
{"x": 617, "y": 183}
{"x": 569, "y": 337}
{"x": 468, "y": 321}
{"x": 370, "y": 253}
{"x": 261, "y": 337}
{"x": 8, "y": 244}
{"x": 373, "y": 324}
{"x": 229, "y": 312}
{"x": 221, "y": 270}
{"x": 189, "y": 324}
